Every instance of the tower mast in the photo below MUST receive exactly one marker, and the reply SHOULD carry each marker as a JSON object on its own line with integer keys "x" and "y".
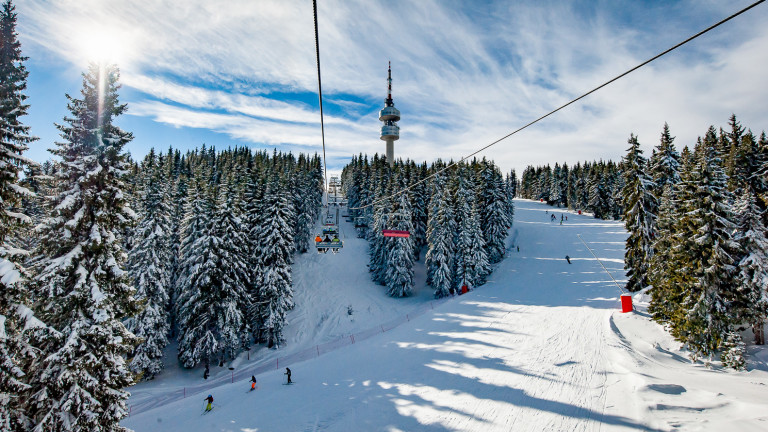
{"x": 390, "y": 131}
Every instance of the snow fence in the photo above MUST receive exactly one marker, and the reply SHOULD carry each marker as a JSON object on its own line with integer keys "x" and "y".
{"x": 245, "y": 373}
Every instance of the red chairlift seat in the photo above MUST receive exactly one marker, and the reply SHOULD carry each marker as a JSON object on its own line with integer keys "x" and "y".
{"x": 395, "y": 233}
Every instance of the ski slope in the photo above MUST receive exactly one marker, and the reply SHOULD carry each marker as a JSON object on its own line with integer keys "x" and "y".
{"x": 541, "y": 346}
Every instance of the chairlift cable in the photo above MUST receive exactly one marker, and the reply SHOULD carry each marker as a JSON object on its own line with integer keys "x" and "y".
{"x": 320, "y": 96}
{"x": 713, "y": 26}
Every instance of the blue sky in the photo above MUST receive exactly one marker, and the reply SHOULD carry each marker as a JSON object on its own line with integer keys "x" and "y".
{"x": 465, "y": 73}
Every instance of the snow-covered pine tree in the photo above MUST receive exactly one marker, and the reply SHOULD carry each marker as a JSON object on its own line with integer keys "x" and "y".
{"x": 16, "y": 352}
{"x": 440, "y": 239}
{"x": 494, "y": 221}
{"x": 640, "y": 208}
{"x": 753, "y": 265}
{"x": 149, "y": 264}
{"x": 377, "y": 245}
{"x": 471, "y": 264}
{"x": 707, "y": 322}
{"x": 83, "y": 292}
{"x": 664, "y": 165}
{"x": 233, "y": 276}
{"x": 197, "y": 340}
{"x": 419, "y": 201}
{"x": 254, "y": 220}
{"x": 666, "y": 296}
{"x": 399, "y": 270}
{"x": 276, "y": 292}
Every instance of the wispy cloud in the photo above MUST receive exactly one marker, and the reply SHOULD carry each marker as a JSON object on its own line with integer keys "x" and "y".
{"x": 465, "y": 73}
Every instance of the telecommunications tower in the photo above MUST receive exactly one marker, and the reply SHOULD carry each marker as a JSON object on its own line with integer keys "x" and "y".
{"x": 390, "y": 131}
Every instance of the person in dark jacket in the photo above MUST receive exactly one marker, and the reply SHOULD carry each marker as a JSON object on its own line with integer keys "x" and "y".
{"x": 253, "y": 382}
{"x": 210, "y": 403}
{"x": 567, "y": 258}
{"x": 288, "y": 372}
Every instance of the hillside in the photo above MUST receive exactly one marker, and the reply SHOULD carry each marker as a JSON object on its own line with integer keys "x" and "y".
{"x": 541, "y": 346}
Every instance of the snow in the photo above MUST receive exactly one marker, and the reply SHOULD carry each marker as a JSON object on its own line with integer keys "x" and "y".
{"x": 541, "y": 346}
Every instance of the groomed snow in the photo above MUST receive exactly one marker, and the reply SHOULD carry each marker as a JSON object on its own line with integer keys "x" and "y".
{"x": 541, "y": 346}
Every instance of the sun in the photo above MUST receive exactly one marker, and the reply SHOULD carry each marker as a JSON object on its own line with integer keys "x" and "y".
{"x": 101, "y": 45}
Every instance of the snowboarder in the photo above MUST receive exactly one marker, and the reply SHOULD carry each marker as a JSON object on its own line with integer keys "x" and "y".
{"x": 206, "y": 373}
{"x": 567, "y": 258}
{"x": 288, "y": 373}
{"x": 518, "y": 248}
{"x": 210, "y": 403}
{"x": 253, "y": 382}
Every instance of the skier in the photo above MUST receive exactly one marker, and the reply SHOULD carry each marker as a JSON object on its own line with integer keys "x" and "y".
{"x": 210, "y": 402}
{"x": 206, "y": 373}
{"x": 567, "y": 258}
{"x": 518, "y": 248}
{"x": 253, "y": 382}
{"x": 288, "y": 372}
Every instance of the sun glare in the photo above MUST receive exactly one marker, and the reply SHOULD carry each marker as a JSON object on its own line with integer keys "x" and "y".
{"x": 101, "y": 46}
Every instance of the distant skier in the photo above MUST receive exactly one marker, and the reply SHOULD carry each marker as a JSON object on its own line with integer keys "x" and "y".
{"x": 288, "y": 373}
{"x": 567, "y": 258}
{"x": 518, "y": 248}
{"x": 210, "y": 403}
{"x": 253, "y": 382}
{"x": 206, "y": 373}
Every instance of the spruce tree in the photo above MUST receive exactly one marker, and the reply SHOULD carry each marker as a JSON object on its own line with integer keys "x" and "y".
{"x": 149, "y": 264}
{"x": 752, "y": 266}
{"x": 471, "y": 264}
{"x": 16, "y": 352}
{"x": 664, "y": 165}
{"x": 494, "y": 220}
{"x": 83, "y": 291}
{"x": 707, "y": 322}
{"x": 399, "y": 270}
{"x": 639, "y": 216}
{"x": 276, "y": 293}
{"x": 440, "y": 240}
{"x": 197, "y": 338}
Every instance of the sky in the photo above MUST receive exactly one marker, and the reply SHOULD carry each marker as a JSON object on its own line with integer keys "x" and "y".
{"x": 465, "y": 73}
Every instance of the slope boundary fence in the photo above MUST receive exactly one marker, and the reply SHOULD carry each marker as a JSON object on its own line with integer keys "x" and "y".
{"x": 285, "y": 361}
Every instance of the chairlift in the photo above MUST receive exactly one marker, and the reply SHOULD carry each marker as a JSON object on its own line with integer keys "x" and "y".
{"x": 360, "y": 222}
{"x": 323, "y": 245}
{"x": 395, "y": 233}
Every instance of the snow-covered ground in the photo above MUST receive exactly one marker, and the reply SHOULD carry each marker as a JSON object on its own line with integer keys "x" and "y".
{"x": 541, "y": 346}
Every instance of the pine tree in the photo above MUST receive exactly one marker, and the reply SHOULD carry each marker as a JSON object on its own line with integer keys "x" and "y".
{"x": 639, "y": 216}
{"x": 753, "y": 265}
{"x": 16, "y": 352}
{"x": 471, "y": 264}
{"x": 707, "y": 322}
{"x": 399, "y": 271}
{"x": 197, "y": 339}
{"x": 440, "y": 237}
{"x": 84, "y": 294}
{"x": 149, "y": 264}
{"x": 494, "y": 219}
{"x": 665, "y": 163}
{"x": 276, "y": 293}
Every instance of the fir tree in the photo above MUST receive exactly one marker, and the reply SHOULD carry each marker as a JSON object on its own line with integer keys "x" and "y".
{"x": 494, "y": 219}
{"x": 276, "y": 293}
{"x": 752, "y": 266}
{"x": 149, "y": 264}
{"x": 471, "y": 264}
{"x": 399, "y": 271}
{"x": 440, "y": 238}
{"x": 83, "y": 292}
{"x": 707, "y": 322}
{"x": 16, "y": 352}
{"x": 665, "y": 163}
{"x": 639, "y": 216}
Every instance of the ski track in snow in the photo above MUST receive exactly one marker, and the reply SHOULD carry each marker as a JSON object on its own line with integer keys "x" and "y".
{"x": 541, "y": 346}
